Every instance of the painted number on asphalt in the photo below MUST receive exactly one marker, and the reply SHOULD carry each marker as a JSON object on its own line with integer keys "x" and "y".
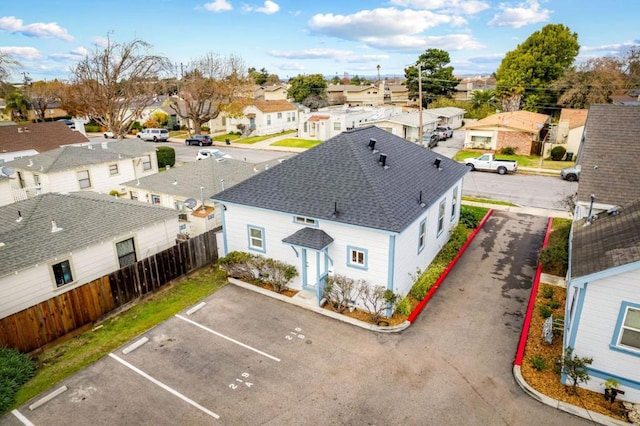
{"x": 240, "y": 382}
{"x": 296, "y": 333}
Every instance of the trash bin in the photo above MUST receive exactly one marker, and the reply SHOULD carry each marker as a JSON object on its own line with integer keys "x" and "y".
{"x": 227, "y": 141}
{"x": 569, "y": 156}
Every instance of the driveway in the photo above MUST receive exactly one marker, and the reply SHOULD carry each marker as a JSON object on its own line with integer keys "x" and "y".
{"x": 245, "y": 359}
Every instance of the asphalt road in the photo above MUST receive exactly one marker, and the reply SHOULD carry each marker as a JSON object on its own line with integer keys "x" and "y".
{"x": 249, "y": 359}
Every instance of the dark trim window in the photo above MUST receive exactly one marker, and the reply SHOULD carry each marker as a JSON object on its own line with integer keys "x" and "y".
{"x": 155, "y": 199}
{"x": 441, "y": 209}
{"x": 126, "y": 252}
{"x": 83, "y": 179}
{"x": 62, "y": 273}
{"x": 113, "y": 169}
{"x": 146, "y": 162}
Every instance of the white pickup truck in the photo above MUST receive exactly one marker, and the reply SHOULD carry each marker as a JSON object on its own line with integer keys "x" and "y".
{"x": 488, "y": 162}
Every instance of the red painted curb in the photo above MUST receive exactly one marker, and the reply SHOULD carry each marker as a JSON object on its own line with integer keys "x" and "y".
{"x": 446, "y": 271}
{"x": 532, "y": 300}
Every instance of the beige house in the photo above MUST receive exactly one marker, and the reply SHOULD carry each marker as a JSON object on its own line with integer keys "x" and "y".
{"x": 396, "y": 94}
{"x": 521, "y": 130}
{"x": 265, "y": 118}
{"x": 351, "y": 95}
{"x": 270, "y": 93}
{"x": 448, "y": 116}
{"x": 570, "y": 128}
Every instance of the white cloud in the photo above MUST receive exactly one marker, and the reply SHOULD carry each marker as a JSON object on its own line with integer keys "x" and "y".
{"x": 616, "y": 47}
{"x": 468, "y": 7}
{"x": 100, "y": 41}
{"x": 11, "y": 24}
{"x": 291, "y": 66}
{"x": 18, "y": 52}
{"x": 526, "y": 13}
{"x": 218, "y": 6}
{"x": 419, "y": 43}
{"x": 74, "y": 55}
{"x": 269, "y": 8}
{"x": 331, "y": 54}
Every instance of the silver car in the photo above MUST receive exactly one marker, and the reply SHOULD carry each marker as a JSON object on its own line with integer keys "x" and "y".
{"x": 571, "y": 174}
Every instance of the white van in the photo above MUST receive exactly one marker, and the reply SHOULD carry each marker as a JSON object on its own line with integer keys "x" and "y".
{"x": 154, "y": 135}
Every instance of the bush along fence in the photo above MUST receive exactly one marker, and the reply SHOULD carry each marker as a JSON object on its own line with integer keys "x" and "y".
{"x": 79, "y": 308}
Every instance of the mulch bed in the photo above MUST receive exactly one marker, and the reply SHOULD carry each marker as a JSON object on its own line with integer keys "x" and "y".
{"x": 547, "y": 381}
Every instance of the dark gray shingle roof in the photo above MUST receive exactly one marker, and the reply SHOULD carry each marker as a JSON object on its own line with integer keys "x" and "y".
{"x": 610, "y": 241}
{"x": 344, "y": 171}
{"x": 86, "y": 218}
{"x": 127, "y": 147}
{"x": 64, "y": 158}
{"x": 311, "y": 238}
{"x": 612, "y": 143}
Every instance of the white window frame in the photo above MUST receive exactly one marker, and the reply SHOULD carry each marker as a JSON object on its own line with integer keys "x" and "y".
{"x": 442, "y": 207}
{"x": 422, "y": 235}
{"x": 454, "y": 203}
{"x": 305, "y": 220}
{"x": 146, "y": 162}
{"x": 155, "y": 199}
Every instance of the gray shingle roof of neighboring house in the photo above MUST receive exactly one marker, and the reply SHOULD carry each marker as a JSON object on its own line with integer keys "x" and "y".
{"x": 609, "y": 241}
{"x": 64, "y": 158}
{"x": 612, "y": 143}
{"x": 412, "y": 118}
{"x": 86, "y": 218}
{"x": 342, "y": 177}
{"x": 185, "y": 181}
{"x": 315, "y": 239}
{"x": 445, "y": 111}
{"x": 39, "y": 136}
{"x": 128, "y": 147}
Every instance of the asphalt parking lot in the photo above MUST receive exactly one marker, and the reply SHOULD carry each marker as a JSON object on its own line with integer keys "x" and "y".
{"x": 245, "y": 359}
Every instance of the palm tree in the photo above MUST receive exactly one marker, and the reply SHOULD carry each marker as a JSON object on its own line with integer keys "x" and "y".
{"x": 487, "y": 97}
{"x": 17, "y": 106}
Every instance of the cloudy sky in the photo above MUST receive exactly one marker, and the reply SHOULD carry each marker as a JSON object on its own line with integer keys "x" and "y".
{"x": 291, "y": 37}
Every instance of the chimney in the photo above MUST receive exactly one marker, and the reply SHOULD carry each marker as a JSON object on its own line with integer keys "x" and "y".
{"x": 54, "y": 226}
{"x": 436, "y": 163}
{"x": 383, "y": 160}
{"x": 372, "y": 144}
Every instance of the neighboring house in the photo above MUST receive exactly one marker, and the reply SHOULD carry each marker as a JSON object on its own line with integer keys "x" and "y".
{"x": 331, "y": 121}
{"x": 570, "y": 128}
{"x": 407, "y": 124}
{"x": 53, "y": 243}
{"x": 468, "y": 85}
{"x": 270, "y": 93}
{"x": 352, "y": 95}
{"x": 365, "y": 204}
{"x": 626, "y": 97}
{"x": 609, "y": 158}
{"x": 6, "y": 196}
{"x": 53, "y": 111}
{"x": 158, "y": 105}
{"x": 17, "y": 141}
{"x": 448, "y": 116}
{"x": 602, "y": 314}
{"x": 396, "y": 94}
{"x": 265, "y": 118}
{"x": 187, "y": 190}
{"x": 71, "y": 168}
{"x": 523, "y": 131}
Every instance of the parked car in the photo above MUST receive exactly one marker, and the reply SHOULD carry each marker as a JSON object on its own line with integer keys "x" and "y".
{"x": 571, "y": 174}
{"x": 446, "y": 131}
{"x": 199, "y": 140}
{"x": 109, "y": 135}
{"x": 488, "y": 162}
{"x": 154, "y": 135}
{"x": 70, "y": 124}
{"x": 430, "y": 140}
{"x": 211, "y": 153}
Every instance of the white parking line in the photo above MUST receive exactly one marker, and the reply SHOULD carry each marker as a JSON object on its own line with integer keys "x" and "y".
{"x": 165, "y": 387}
{"x": 229, "y": 338}
{"x": 25, "y": 421}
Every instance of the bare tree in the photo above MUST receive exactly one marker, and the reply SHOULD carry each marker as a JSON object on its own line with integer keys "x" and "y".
{"x": 6, "y": 63}
{"x": 214, "y": 84}
{"x": 41, "y": 94}
{"x": 114, "y": 83}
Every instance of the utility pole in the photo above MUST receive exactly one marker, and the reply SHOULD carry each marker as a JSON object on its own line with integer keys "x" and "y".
{"x": 420, "y": 135}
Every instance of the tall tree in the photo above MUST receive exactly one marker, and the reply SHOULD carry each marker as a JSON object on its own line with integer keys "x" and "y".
{"x": 310, "y": 90}
{"x": 114, "y": 83}
{"x": 592, "y": 82}
{"x": 214, "y": 84}
{"x": 16, "y": 106}
{"x": 7, "y": 62}
{"x": 437, "y": 76}
{"x": 41, "y": 94}
{"x": 536, "y": 63}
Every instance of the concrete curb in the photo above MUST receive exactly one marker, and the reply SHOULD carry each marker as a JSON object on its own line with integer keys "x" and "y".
{"x": 563, "y": 406}
{"x": 318, "y": 310}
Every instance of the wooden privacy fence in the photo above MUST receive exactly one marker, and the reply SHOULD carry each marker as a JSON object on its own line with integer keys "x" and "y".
{"x": 45, "y": 322}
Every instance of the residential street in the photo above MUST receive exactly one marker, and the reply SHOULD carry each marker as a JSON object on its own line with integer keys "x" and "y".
{"x": 249, "y": 359}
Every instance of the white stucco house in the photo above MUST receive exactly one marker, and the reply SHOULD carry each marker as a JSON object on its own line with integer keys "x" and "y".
{"x": 602, "y": 317}
{"x": 365, "y": 204}
{"x": 265, "y": 118}
{"x": 53, "y": 243}
{"x": 407, "y": 124}
{"x": 328, "y": 122}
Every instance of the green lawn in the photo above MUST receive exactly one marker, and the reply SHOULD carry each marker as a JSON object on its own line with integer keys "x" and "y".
{"x": 65, "y": 359}
{"x": 523, "y": 160}
{"x": 221, "y": 138}
{"x": 487, "y": 201}
{"x": 297, "y": 143}
{"x": 180, "y": 134}
{"x": 254, "y": 139}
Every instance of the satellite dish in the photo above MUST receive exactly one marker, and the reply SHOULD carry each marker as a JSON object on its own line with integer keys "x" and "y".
{"x": 191, "y": 203}
{"x": 7, "y": 171}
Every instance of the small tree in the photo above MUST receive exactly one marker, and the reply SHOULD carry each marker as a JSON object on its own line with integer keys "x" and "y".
{"x": 574, "y": 367}
{"x": 341, "y": 290}
{"x": 166, "y": 156}
{"x": 377, "y": 299}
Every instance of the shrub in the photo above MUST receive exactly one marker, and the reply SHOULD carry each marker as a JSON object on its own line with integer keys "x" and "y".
{"x": 251, "y": 267}
{"x": 205, "y": 128}
{"x": 545, "y": 311}
{"x": 553, "y": 304}
{"x": 377, "y": 299}
{"x": 404, "y": 307}
{"x": 136, "y": 126}
{"x": 554, "y": 258}
{"x": 558, "y": 152}
{"x": 538, "y": 363}
{"x": 15, "y": 370}
{"x": 238, "y": 265}
{"x": 547, "y": 292}
{"x": 166, "y": 156}
{"x": 470, "y": 216}
{"x": 341, "y": 290}
{"x": 574, "y": 367}
{"x": 508, "y": 150}
{"x": 90, "y": 128}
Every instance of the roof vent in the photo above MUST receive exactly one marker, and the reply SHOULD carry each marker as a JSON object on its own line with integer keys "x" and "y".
{"x": 383, "y": 160}
{"x": 613, "y": 211}
{"x": 372, "y": 144}
{"x": 422, "y": 204}
{"x": 335, "y": 210}
{"x": 19, "y": 219}
{"x": 54, "y": 227}
{"x": 30, "y": 164}
{"x": 436, "y": 163}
